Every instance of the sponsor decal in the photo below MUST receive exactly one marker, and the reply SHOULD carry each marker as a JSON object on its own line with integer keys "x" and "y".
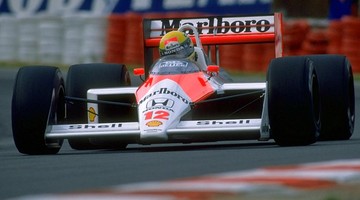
{"x": 104, "y": 7}
{"x": 173, "y": 64}
{"x": 92, "y": 114}
{"x": 172, "y": 46}
{"x": 95, "y": 126}
{"x": 153, "y": 130}
{"x": 160, "y": 103}
{"x": 154, "y": 123}
{"x": 164, "y": 91}
{"x": 219, "y": 25}
{"x": 172, "y": 40}
{"x": 222, "y": 122}
{"x": 157, "y": 108}
{"x": 171, "y": 43}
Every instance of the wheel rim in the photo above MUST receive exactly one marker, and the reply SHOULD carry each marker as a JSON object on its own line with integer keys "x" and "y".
{"x": 316, "y": 102}
{"x": 56, "y": 113}
{"x": 351, "y": 102}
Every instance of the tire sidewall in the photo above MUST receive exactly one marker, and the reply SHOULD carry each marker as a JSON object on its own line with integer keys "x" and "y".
{"x": 35, "y": 103}
{"x": 290, "y": 81}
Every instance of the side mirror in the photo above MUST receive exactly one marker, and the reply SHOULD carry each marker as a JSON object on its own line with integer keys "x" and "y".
{"x": 139, "y": 71}
{"x": 213, "y": 69}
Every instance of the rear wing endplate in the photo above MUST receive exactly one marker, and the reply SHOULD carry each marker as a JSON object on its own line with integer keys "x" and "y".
{"x": 217, "y": 30}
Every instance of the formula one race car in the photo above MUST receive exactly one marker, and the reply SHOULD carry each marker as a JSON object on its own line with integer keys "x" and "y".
{"x": 304, "y": 98}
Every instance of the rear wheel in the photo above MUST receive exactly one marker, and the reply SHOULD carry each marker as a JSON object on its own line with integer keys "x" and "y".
{"x": 80, "y": 79}
{"x": 38, "y": 101}
{"x": 337, "y": 96}
{"x": 293, "y": 101}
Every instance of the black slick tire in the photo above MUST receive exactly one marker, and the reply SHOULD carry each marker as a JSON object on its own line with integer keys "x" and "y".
{"x": 80, "y": 79}
{"x": 37, "y": 101}
{"x": 337, "y": 96}
{"x": 293, "y": 101}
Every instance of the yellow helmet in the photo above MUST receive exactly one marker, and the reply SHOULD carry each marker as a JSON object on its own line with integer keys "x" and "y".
{"x": 176, "y": 43}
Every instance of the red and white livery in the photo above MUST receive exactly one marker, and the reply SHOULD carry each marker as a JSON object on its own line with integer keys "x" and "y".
{"x": 304, "y": 98}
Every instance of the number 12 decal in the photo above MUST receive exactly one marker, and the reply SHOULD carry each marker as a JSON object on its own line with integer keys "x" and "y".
{"x": 159, "y": 114}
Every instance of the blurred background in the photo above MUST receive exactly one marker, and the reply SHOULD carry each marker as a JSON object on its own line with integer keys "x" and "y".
{"x": 67, "y": 32}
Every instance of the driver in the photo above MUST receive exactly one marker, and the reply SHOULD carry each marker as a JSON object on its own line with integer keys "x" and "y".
{"x": 177, "y": 43}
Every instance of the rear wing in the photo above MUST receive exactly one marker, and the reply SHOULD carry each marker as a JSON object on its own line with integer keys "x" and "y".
{"x": 217, "y": 30}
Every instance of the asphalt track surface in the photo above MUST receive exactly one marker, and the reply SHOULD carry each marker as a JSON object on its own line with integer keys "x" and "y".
{"x": 76, "y": 171}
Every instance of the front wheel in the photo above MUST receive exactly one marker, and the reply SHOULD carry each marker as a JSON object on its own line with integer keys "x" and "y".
{"x": 337, "y": 96}
{"x": 293, "y": 101}
{"x": 80, "y": 79}
{"x": 38, "y": 101}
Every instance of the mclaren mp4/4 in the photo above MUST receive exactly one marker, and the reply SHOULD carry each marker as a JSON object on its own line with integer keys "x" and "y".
{"x": 304, "y": 98}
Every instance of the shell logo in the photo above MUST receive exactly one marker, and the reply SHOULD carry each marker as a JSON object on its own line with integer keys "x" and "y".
{"x": 92, "y": 114}
{"x": 154, "y": 123}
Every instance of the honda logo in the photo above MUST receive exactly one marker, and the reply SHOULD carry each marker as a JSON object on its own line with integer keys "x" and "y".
{"x": 160, "y": 102}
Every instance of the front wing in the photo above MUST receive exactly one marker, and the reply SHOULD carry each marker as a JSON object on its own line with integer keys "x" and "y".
{"x": 185, "y": 131}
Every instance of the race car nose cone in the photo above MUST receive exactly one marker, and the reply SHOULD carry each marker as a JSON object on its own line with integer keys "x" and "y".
{"x": 151, "y": 137}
